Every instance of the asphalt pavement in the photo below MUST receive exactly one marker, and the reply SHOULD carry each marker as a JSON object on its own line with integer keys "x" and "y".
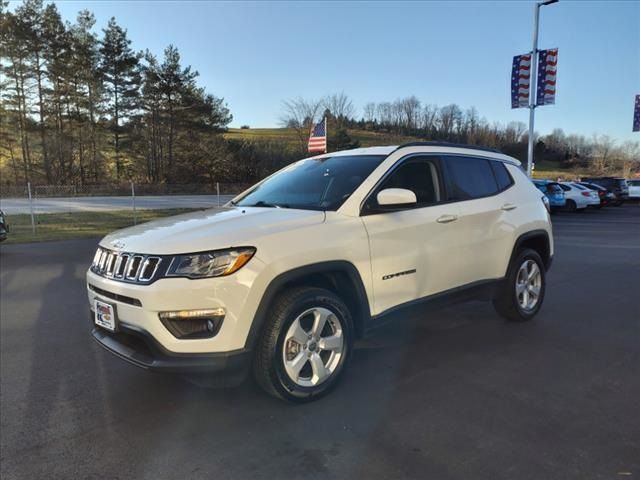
{"x": 14, "y": 206}
{"x": 458, "y": 394}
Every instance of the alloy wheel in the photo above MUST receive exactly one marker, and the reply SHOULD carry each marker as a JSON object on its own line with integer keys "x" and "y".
{"x": 313, "y": 347}
{"x": 528, "y": 285}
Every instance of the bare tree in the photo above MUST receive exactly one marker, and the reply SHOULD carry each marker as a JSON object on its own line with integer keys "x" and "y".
{"x": 410, "y": 110}
{"x": 601, "y": 158}
{"x": 629, "y": 158}
{"x": 299, "y": 114}
{"x": 370, "y": 112}
{"x": 384, "y": 114}
{"x": 429, "y": 119}
{"x": 340, "y": 106}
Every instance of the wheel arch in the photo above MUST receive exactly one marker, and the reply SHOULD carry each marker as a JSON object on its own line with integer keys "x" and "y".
{"x": 339, "y": 276}
{"x": 537, "y": 240}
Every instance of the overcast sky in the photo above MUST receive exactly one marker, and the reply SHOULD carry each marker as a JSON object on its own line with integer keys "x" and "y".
{"x": 255, "y": 54}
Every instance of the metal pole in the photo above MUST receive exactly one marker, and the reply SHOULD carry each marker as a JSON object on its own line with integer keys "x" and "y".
{"x": 218, "y": 192}
{"x": 133, "y": 201}
{"x": 532, "y": 87}
{"x": 33, "y": 221}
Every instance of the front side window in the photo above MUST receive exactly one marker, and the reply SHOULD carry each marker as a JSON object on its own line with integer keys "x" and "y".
{"x": 469, "y": 178}
{"x": 418, "y": 175}
{"x": 313, "y": 184}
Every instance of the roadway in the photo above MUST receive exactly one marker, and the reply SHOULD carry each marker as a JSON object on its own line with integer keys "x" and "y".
{"x": 14, "y": 206}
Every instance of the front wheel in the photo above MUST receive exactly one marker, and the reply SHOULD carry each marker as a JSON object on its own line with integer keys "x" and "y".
{"x": 305, "y": 345}
{"x": 523, "y": 292}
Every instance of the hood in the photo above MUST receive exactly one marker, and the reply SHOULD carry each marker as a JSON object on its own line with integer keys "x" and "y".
{"x": 209, "y": 230}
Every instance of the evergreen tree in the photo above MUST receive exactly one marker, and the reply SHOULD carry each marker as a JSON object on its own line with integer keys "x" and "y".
{"x": 121, "y": 73}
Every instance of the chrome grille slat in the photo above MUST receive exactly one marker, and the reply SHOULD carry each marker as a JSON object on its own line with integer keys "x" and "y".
{"x": 134, "y": 267}
{"x": 103, "y": 260}
{"x": 152, "y": 264}
{"x": 111, "y": 262}
{"x": 121, "y": 265}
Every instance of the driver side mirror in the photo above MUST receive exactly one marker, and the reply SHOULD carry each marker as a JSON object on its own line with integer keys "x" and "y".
{"x": 396, "y": 197}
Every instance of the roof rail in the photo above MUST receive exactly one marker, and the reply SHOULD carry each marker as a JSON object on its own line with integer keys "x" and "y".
{"x": 447, "y": 144}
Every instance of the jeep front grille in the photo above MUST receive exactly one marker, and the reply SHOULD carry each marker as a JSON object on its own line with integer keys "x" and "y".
{"x": 126, "y": 266}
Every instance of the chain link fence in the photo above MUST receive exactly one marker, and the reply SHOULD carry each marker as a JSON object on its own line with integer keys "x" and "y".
{"x": 120, "y": 189}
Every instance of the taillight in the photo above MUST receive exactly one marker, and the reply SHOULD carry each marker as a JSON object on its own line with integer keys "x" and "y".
{"x": 585, "y": 194}
{"x": 545, "y": 200}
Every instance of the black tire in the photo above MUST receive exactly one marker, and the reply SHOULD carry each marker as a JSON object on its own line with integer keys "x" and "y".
{"x": 506, "y": 302}
{"x": 269, "y": 365}
{"x": 571, "y": 206}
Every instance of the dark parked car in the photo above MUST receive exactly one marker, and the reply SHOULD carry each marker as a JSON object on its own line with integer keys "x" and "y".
{"x": 616, "y": 185}
{"x": 606, "y": 197}
{"x": 4, "y": 227}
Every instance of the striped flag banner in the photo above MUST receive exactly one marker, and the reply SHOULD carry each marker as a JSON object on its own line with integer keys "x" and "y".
{"x": 520, "y": 80}
{"x": 547, "y": 70}
{"x": 636, "y": 115}
{"x": 318, "y": 137}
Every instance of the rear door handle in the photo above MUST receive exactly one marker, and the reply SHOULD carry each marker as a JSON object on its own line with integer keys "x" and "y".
{"x": 509, "y": 206}
{"x": 447, "y": 218}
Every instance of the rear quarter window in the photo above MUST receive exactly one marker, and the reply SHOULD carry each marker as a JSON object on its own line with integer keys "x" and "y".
{"x": 503, "y": 178}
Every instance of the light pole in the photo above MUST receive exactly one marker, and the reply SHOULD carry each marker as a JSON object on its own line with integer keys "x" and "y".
{"x": 533, "y": 81}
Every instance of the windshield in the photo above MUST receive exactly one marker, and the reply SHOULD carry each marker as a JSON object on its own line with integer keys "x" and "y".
{"x": 313, "y": 184}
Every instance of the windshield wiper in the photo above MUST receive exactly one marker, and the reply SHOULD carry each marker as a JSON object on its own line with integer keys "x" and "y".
{"x": 262, "y": 203}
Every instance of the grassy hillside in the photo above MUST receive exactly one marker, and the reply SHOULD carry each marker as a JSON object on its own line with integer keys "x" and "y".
{"x": 289, "y": 135}
{"x": 368, "y": 139}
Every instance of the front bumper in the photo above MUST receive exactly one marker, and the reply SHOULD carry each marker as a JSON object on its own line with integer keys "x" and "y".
{"x": 140, "y": 349}
{"x": 138, "y": 307}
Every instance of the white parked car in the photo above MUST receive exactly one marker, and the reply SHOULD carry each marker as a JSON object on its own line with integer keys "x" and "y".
{"x": 285, "y": 278}
{"x": 578, "y": 196}
{"x": 634, "y": 189}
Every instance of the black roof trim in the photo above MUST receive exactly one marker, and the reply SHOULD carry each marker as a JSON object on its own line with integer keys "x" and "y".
{"x": 447, "y": 144}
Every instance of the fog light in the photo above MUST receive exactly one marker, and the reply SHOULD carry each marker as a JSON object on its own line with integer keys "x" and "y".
{"x": 193, "y": 324}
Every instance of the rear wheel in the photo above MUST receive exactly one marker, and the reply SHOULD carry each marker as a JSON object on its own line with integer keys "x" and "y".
{"x": 571, "y": 206}
{"x": 305, "y": 346}
{"x": 523, "y": 292}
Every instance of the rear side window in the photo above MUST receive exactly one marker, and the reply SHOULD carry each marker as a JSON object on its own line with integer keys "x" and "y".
{"x": 469, "y": 178}
{"x": 503, "y": 178}
{"x": 564, "y": 187}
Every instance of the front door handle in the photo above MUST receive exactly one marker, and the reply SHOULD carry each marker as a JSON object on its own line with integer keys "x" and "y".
{"x": 447, "y": 218}
{"x": 509, "y": 206}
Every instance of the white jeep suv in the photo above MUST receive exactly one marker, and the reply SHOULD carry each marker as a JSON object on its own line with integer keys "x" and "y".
{"x": 285, "y": 278}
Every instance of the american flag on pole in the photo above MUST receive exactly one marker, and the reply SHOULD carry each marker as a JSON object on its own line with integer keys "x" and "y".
{"x": 636, "y": 115}
{"x": 547, "y": 69}
{"x": 318, "y": 137}
{"x": 520, "y": 80}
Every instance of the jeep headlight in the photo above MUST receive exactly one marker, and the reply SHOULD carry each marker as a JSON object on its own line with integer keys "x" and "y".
{"x": 217, "y": 263}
